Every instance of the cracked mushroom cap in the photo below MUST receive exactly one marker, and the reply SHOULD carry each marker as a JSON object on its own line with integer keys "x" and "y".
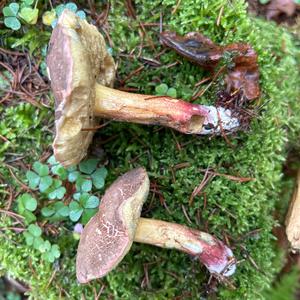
{"x": 108, "y": 236}
{"x": 77, "y": 60}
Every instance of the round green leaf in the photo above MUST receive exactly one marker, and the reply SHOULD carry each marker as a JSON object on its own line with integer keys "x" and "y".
{"x": 29, "y": 216}
{"x": 72, "y": 177}
{"x": 60, "y": 192}
{"x": 45, "y": 183}
{"x": 81, "y": 14}
{"x": 47, "y": 211}
{"x": 86, "y": 186}
{"x": 92, "y": 202}
{"x": 71, "y": 6}
{"x": 29, "y": 202}
{"x": 11, "y": 10}
{"x": 55, "y": 251}
{"x": 38, "y": 242}
{"x": 83, "y": 184}
{"x": 35, "y": 230}
{"x": 48, "y": 18}
{"x": 52, "y": 161}
{"x": 76, "y": 196}
{"x": 161, "y": 89}
{"x": 48, "y": 256}
{"x": 88, "y": 166}
{"x": 29, "y": 15}
{"x": 75, "y": 211}
{"x": 28, "y": 238}
{"x": 98, "y": 177}
{"x": 64, "y": 211}
{"x": 60, "y": 171}
{"x": 40, "y": 168}
{"x": 45, "y": 246}
{"x": 172, "y": 93}
{"x": 33, "y": 179}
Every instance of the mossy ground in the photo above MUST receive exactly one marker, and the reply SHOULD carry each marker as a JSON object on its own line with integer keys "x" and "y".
{"x": 233, "y": 209}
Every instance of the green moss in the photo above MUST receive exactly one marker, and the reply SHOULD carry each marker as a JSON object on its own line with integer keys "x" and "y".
{"x": 232, "y": 208}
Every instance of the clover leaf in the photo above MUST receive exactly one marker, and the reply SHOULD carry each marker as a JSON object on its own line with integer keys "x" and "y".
{"x": 33, "y": 236}
{"x": 70, "y": 6}
{"x": 50, "y": 252}
{"x": 75, "y": 211}
{"x": 56, "y": 191}
{"x": 40, "y": 177}
{"x": 57, "y": 168}
{"x": 98, "y": 176}
{"x": 88, "y": 166}
{"x": 12, "y": 23}
{"x": 11, "y": 10}
{"x": 84, "y": 206}
{"x": 26, "y": 205}
{"x": 83, "y": 184}
{"x": 56, "y": 212}
{"x": 29, "y": 15}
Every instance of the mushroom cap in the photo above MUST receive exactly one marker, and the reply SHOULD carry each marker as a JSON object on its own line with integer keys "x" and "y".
{"x": 108, "y": 236}
{"x": 77, "y": 60}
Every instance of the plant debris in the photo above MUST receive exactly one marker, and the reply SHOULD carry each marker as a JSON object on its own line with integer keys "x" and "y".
{"x": 281, "y": 11}
{"x": 242, "y": 69}
{"x": 20, "y": 77}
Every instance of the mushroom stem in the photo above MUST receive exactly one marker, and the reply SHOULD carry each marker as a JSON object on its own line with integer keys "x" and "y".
{"x": 145, "y": 109}
{"x": 215, "y": 255}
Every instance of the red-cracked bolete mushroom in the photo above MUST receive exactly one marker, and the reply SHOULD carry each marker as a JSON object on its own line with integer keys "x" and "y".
{"x": 108, "y": 236}
{"x": 82, "y": 74}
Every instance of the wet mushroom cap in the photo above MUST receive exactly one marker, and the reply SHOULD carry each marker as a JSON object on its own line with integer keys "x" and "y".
{"x": 76, "y": 60}
{"x": 108, "y": 236}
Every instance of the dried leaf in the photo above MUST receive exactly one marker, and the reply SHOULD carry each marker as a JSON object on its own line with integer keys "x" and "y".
{"x": 242, "y": 74}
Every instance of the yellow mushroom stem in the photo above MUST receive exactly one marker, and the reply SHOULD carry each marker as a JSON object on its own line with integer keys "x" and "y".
{"x": 161, "y": 110}
{"x": 213, "y": 253}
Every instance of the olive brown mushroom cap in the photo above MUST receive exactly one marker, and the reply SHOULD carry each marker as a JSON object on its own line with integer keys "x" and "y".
{"x": 108, "y": 236}
{"x": 76, "y": 60}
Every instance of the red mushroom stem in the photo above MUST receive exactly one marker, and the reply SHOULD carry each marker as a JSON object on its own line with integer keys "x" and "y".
{"x": 145, "y": 109}
{"x": 214, "y": 254}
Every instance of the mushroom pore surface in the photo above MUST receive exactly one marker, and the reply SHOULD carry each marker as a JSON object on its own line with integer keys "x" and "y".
{"x": 109, "y": 235}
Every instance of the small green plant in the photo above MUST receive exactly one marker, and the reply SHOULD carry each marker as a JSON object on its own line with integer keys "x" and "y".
{"x": 57, "y": 211}
{"x": 84, "y": 206}
{"x": 50, "y": 252}
{"x": 52, "y": 180}
{"x": 40, "y": 178}
{"x": 50, "y": 17}
{"x": 26, "y": 206}
{"x": 15, "y": 13}
{"x": 33, "y": 237}
{"x": 164, "y": 90}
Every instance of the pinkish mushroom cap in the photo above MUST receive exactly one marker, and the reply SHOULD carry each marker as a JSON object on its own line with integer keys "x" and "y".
{"x": 108, "y": 236}
{"x": 76, "y": 60}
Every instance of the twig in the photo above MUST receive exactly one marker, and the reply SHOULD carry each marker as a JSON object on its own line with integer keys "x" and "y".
{"x": 207, "y": 177}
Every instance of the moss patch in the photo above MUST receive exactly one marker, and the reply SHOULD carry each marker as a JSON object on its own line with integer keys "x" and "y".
{"x": 233, "y": 209}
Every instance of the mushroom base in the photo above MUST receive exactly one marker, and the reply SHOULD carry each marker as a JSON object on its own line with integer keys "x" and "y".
{"x": 160, "y": 110}
{"x": 213, "y": 253}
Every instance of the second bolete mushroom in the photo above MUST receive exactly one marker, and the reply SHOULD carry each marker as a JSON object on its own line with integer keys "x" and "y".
{"x": 82, "y": 73}
{"x": 108, "y": 236}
